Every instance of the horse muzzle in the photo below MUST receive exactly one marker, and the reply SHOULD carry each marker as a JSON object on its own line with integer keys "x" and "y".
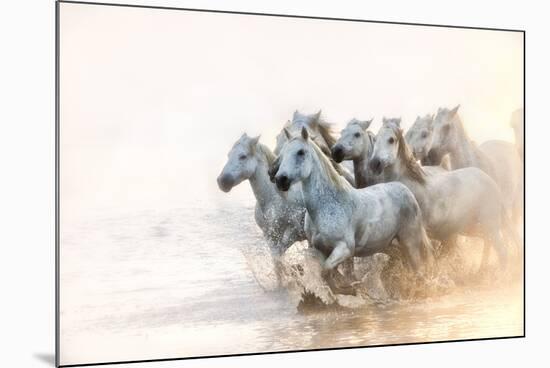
{"x": 282, "y": 182}
{"x": 337, "y": 153}
{"x": 376, "y": 166}
{"x": 225, "y": 182}
{"x": 433, "y": 157}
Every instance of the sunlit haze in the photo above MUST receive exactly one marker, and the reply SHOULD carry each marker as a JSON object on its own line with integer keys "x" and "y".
{"x": 152, "y": 100}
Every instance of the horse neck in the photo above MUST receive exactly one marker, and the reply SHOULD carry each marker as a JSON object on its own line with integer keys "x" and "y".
{"x": 464, "y": 154}
{"x": 361, "y": 164}
{"x": 399, "y": 172}
{"x": 318, "y": 190}
{"x": 264, "y": 190}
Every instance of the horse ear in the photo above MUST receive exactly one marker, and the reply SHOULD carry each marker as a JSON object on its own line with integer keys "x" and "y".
{"x": 254, "y": 141}
{"x": 453, "y": 111}
{"x": 384, "y": 120}
{"x": 305, "y": 134}
{"x": 398, "y": 122}
{"x": 417, "y": 118}
{"x": 430, "y": 122}
{"x": 295, "y": 115}
{"x": 317, "y": 115}
{"x": 314, "y": 119}
{"x": 365, "y": 124}
{"x": 287, "y": 134}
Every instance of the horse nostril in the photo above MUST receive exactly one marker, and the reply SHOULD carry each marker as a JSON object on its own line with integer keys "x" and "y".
{"x": 282, "y": 181}
{"x": 375, "y": 165}
{"x": 225, "y": 182}
{"x": 337, "y": 153}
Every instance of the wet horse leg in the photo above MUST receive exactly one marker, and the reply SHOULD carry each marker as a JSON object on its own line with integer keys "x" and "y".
{"x": 348, "y": 269}
{"x": 496, "y": 241}
{"x": 341, "y": 253}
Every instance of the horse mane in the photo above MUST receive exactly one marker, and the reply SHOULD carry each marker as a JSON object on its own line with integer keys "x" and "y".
{"x": 457, "y": 121}
{"x": 479, "y": 155}
{"x": 372, "y": 140}
{"x": 326, "y": 131}
{"x": 267, "y": 153}
{"x": 330, "y": 169}
{"x": 405, "y": 155}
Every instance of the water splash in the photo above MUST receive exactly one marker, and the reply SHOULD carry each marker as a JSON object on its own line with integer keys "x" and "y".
{"x": 382, "y": 279}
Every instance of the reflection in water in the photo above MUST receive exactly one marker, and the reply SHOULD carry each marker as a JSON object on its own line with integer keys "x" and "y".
{"x": 196, "y": 281}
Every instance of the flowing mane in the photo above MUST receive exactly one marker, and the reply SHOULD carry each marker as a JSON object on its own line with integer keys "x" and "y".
{"x": 406, "y": 157}
{"x": 267, "y": 153}
{"x": 478, "y": 155}
{"x": 372, "y": 140}
{"x": 316, "y": 125}
{"x": 326, "y": 131}
{"x": 329, "y": 169}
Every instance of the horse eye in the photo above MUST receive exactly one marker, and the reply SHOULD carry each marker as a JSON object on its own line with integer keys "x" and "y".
{"x": 446, "y": 128}
{"x": 424, "y": 134}
{"x": 357, "y": 135}
{"x": 300, "y": 152}
{"x": 391, "y": 140}
{"x": 242, "y": 157}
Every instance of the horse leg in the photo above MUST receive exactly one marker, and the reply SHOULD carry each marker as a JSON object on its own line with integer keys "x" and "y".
{"x": 497, "y": 242}
{"x": 339, "y": 254}
{"x": 448, "y": 246}
{"x": 288, "y": 238}
{"x": 348, "y": 269}
{"x": 412, "y": 253}
{"x": 276, "y": 255}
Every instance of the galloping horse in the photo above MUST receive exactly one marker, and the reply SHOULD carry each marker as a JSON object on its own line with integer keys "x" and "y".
{"x": 341, "y": 221}
{"x": 280, "y": 219}
{"x": 419, "y": 137}
{"x": 464, "y": 201}
{"x": 321, "y": 133}
{"x": 356, "y": 144}
{"x": 497, "y": 158}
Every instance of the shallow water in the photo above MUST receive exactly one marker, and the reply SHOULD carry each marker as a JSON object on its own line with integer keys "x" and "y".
{"x": 198, "y": 281}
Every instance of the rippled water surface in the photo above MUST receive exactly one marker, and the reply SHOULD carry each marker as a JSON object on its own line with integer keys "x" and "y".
{"x": 196, "y": 281}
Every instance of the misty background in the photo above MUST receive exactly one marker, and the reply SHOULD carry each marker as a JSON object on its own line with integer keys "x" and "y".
{"x": 152, "y": 100}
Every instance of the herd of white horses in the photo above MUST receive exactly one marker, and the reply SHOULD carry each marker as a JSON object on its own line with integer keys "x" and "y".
{"x": 361, "y": 193}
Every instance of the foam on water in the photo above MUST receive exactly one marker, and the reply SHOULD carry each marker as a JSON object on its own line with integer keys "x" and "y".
{"x": 382, "y": 278}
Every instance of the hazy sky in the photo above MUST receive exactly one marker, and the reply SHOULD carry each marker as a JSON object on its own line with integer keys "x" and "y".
{"x": 152, "y": 100}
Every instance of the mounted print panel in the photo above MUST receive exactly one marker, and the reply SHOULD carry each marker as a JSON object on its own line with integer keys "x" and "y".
{"x": 235, "y": 183}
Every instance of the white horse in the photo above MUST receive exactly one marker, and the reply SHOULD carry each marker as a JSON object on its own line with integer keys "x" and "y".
{"x": 464, "y": 201}
{"x": 341, "y": 221}
{"x": 321, "y": 133}
{"x": 419, "y": 137}
{"x": 497, "y": 158}
{"x": 356, "y": 144}
{"x": 281, "y": 220}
